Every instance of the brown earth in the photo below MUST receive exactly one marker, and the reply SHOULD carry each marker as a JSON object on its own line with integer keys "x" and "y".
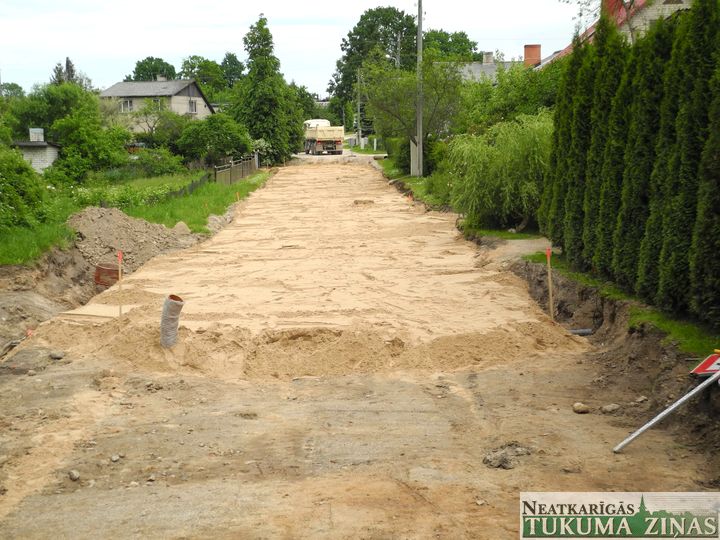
{"x": 346, "y": 362}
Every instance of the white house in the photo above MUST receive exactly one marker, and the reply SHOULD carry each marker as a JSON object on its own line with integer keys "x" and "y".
{"x": 182, "y": 96}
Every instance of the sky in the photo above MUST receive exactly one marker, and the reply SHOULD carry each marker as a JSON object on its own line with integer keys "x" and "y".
{"x": 105, "y": 39}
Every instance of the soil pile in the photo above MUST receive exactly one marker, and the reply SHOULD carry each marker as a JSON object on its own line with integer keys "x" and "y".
{"x": 102, "y": 232}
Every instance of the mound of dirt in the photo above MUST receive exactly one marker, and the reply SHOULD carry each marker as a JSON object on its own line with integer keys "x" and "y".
{"x": 102, "y": 232}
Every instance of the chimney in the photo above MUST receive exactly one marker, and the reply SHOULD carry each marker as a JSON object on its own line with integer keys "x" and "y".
{"x": 37, "y": 135}
{"x": 488, "y": 58}
{"x": 533, "y": 55}
{"x": 160, "y": 78}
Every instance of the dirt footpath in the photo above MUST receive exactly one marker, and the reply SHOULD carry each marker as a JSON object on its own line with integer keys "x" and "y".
{"x": 346, "y": 364}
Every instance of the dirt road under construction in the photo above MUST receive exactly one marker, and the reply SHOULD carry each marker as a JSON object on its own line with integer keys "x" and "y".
{"x": 346, "y": 363}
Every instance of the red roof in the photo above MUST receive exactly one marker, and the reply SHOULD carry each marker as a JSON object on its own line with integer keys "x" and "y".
{"x": 616, "y": 10}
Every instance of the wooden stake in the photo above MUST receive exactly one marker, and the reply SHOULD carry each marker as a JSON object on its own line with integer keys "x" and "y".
{"x": 551, "y": 306}
{"x": 120, "y": 258}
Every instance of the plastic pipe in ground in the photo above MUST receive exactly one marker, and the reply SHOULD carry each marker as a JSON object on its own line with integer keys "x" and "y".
{"x": 170, "y": 320}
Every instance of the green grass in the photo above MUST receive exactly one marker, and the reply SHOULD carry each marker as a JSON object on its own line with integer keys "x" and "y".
{"x": 503, "y": 235}
{"x": 175, "y": 180}
{"x": 390, "y": 169}
{"x": 23, "y": 245}
{"x": 194, "y": 209}
{"x": 689, "y": 337}
{"x": 367, "y": 150}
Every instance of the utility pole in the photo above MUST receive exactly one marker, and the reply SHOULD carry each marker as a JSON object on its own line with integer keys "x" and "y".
{"x": 420, "y": 100}
{"x": 397, "y": 49}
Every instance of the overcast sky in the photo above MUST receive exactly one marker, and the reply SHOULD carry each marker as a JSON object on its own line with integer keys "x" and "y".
{"x": 105, "y": 39}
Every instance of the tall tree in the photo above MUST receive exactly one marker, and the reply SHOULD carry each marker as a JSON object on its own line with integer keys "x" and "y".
{"x": 150, "y": 68}
{"x": 663, "y": 168}
{"x": 611, "y": 51}
{"x": 580, "y": 132}
{"x": 653, "y": 52}
{"x": 207, "y": 73}
{"x": 11, "y": 90}
{"x": 552, "y": 208}
{"x": 232, "y": 69}
{"x": 263, "y": 102}
{"x": 613, "y": 165}
{"x": 391, "y": 95}
{"x": 453, "y": 46}
{"x": 388, "y": 28}
{"x": 704, "y": 270}
{"x": 692, "y": 120}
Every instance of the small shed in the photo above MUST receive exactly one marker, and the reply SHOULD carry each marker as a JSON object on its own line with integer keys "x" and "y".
{"x": 37, "y": 151}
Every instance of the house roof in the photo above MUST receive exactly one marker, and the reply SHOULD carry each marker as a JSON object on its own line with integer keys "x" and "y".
{"x": 476, "y": 70}
{"x": 146, "y": 88}
{"x": 34, "y": 144}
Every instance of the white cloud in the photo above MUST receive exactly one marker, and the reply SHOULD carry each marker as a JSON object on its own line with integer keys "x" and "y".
{"x": 104, "y": 39}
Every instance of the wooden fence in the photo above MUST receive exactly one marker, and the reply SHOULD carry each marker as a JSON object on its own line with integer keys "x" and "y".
{"x": 235, "y": 170}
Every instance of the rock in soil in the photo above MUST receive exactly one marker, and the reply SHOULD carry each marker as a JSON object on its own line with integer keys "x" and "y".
{"x": 581, "y": 408}
{"x": 74, "y": 475}
{"x": 609, "y": 409}
{"x": 57, "y": 355}
{"x": 505, "y": 456}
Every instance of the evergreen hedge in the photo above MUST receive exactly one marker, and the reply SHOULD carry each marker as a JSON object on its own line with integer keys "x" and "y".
{"x": 633, "y": 190}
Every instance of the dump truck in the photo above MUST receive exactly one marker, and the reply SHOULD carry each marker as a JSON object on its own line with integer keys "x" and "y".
{"x": 321, "y": 137}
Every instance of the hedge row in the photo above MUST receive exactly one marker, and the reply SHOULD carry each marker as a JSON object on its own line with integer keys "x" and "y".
{"x": 634, "y": 188}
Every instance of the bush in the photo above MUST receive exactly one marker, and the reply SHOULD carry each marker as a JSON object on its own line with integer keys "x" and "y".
{"x": 156, "y": 162}
{"x": 500, "y": 175}
{"x": 214, "y": 140}
{"x": 21, "y": 193}
{"x": 439, "y": 186}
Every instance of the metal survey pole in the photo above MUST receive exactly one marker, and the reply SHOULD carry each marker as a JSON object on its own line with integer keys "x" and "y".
{"x": 419, "y": 110}
{"x": 667, "y": 412}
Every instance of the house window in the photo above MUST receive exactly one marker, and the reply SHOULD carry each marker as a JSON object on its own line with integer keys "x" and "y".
{"x": 126, "y": 105}
{"x": 193, "y": 106}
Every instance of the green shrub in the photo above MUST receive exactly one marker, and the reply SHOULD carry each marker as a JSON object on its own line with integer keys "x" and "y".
{"x": 21, "y": 193}
{"x": 500, "y": 174}
{"x": 156, "y": 162}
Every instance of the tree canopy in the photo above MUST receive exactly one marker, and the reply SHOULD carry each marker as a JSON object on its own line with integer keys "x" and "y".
{"x": 391, "y": 30}
{"x": 148, "y": 69}
{"x": 453, "y": 46}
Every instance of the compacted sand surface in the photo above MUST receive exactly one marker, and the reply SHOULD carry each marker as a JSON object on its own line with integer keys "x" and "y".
{"x": 345, "y": 363}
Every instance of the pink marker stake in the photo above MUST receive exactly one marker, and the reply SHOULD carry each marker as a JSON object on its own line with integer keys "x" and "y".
{"x": 551, "y": 305}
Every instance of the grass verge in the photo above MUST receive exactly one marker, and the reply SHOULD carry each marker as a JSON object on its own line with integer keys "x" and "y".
{"x": 23, "y": 245}
{"x": 689, "y": 337}
{"x": 194, "y": 209}
{"x": 390, "y": 169}
{"x": 367, "y": 150}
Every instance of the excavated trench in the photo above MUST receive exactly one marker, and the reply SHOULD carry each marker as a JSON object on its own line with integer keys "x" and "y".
{"x": 633, "y": 359}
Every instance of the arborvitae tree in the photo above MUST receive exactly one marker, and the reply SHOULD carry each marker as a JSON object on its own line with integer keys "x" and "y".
{"x": 652, "y": 239}
{"x": 552, "y": 208}
{"x": 704, "y": 268}
{"x": 263, "y": 102}
{"x": 611, "y": 52}
{"x": 577, "y": 160}
{"x": 653, "y": 52}
{"x": 679, "y": 219}
{"x": 612, "y": 169}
